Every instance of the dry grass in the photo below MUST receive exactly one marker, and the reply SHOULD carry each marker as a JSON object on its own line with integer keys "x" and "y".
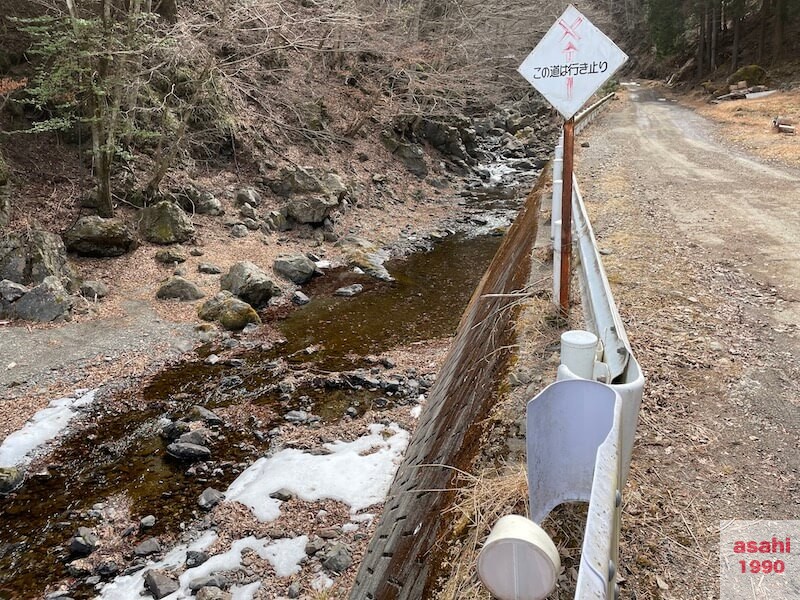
{"x": 748, "y": 124}
{"x": 483, "y": 500}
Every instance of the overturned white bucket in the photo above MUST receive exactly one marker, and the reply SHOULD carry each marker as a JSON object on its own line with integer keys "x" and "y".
{"x": 578, "y": 352}
{"x": 519, "y": 560}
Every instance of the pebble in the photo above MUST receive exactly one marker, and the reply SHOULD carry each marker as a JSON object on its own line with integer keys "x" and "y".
{"x": 147, "y": 522}
{"x": 84, "y": 542}
{"x": 349, "y": 290}
{"x": 210, "y": 498}
{"x": 282, "y": 494}
{"x": 195, "y": 558}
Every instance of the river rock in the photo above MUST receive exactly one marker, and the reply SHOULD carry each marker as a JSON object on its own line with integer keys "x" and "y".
{"x": 315, "y": 546}
{"x": 233, "y": 314}
{"x": 107, "y": 569}
{"x": 165, "y": 223}
{"x": 248, "y": 212}
{"x": 147, "y": 522}
{"x": 366, "y": 256}
{"x": 296, "y": 416}
{"x": 311, "y": 210}
{"x": 94, "y": 289}
{"x": 84, "y": 542}
{"x": 216, "y": 580}
{"x": 212, "y": 593}
{"x": 209, "y": 269}
{"x": 10, "y": 479}
{"x": 10, "y": 291}
{"x": 293, "y": 591}
{"x": 189, "y": 452}
{"x": 198, "y": 437}
{"x": 250, "y": 283}
{"x": 283, "y": 494}
{"x": 159, "y": 584}
{"x": 444, "y": 137}
{"x": 248, "y": 196}
{"x": 175, "y": 429}
{"x": 46, "y": 302}
{"x": 297, "y": 268}
{"x": 5, "y": 206}
{"x": 170, "y": 256}
{"x": 96, "y": 236}
{"x": 28, "y": 258}
{"x": 195, "y": 558}
{"x": 148, "y": 547}
{"x": 201, "y": 413}
{"x": 299, "y": 298}
{"x": 337, "y": 558}
{"x": 210, "y": 498}
{"x": 180, "y": 288}
{"x": 350, "y": 290}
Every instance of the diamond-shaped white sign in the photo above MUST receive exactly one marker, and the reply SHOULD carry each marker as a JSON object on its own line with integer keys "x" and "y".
{"x": 569, "y": 64}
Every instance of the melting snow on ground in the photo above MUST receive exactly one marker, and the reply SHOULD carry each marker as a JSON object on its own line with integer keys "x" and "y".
{"x": 357, "y": 473}
{"x": 284, "y": 555}
{"x": 44, "y": 426}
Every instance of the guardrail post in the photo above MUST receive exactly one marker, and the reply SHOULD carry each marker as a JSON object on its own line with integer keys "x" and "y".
{"x": 566, "y": 214}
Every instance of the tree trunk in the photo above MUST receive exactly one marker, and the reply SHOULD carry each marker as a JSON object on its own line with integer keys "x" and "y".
{"x": 762, "y": 30}
{"x": 701, "y": 50}
{"x": 715, "y": 9}
{"x": 737, "y": 27}
{"x": 777, "y": 31}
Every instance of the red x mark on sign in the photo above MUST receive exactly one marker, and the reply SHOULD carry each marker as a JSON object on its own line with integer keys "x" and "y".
{"x": 571, "y": 30}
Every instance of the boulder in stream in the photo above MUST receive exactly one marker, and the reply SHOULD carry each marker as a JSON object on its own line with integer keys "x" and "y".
{"x": 250, "y": 283}
{"x": 189, "y": 452}
{"x": 297, "y": 268}
{"x": 84, "y": 542}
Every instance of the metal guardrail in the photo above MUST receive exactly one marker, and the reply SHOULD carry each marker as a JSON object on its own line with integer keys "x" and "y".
{"x": 580, "y": 432}
{"x": 611, "y": 463}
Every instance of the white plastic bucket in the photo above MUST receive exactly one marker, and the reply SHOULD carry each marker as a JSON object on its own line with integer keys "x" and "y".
{"x": 518, "y": 561}
{"x": 578, "y": 349}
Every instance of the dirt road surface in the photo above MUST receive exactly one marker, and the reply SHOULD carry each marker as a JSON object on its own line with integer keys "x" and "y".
{"x": 703, "y": 253}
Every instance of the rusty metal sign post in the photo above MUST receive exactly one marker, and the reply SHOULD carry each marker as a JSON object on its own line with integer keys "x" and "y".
{"x": 570, "y": 63}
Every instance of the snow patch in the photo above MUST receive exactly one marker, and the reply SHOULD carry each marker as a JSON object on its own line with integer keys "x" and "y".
{"x": 357, "y": 473}
{"x": 321, "y": 582}
{"x": 245, "y": 592}
{"x": 126, "y": 587}
{"x": 19, "y": 447}
{"x": 284, "y": 555}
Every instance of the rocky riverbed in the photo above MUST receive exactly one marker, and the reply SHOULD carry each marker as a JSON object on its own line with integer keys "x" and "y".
{"x": 326, "y": 391}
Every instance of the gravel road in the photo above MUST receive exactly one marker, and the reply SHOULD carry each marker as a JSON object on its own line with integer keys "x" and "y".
{"x": 704, "y": 253}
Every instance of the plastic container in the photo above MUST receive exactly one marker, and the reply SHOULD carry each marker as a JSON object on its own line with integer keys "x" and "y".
{"x": 578, "y": 349}
{"x": 519, "y": 560}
